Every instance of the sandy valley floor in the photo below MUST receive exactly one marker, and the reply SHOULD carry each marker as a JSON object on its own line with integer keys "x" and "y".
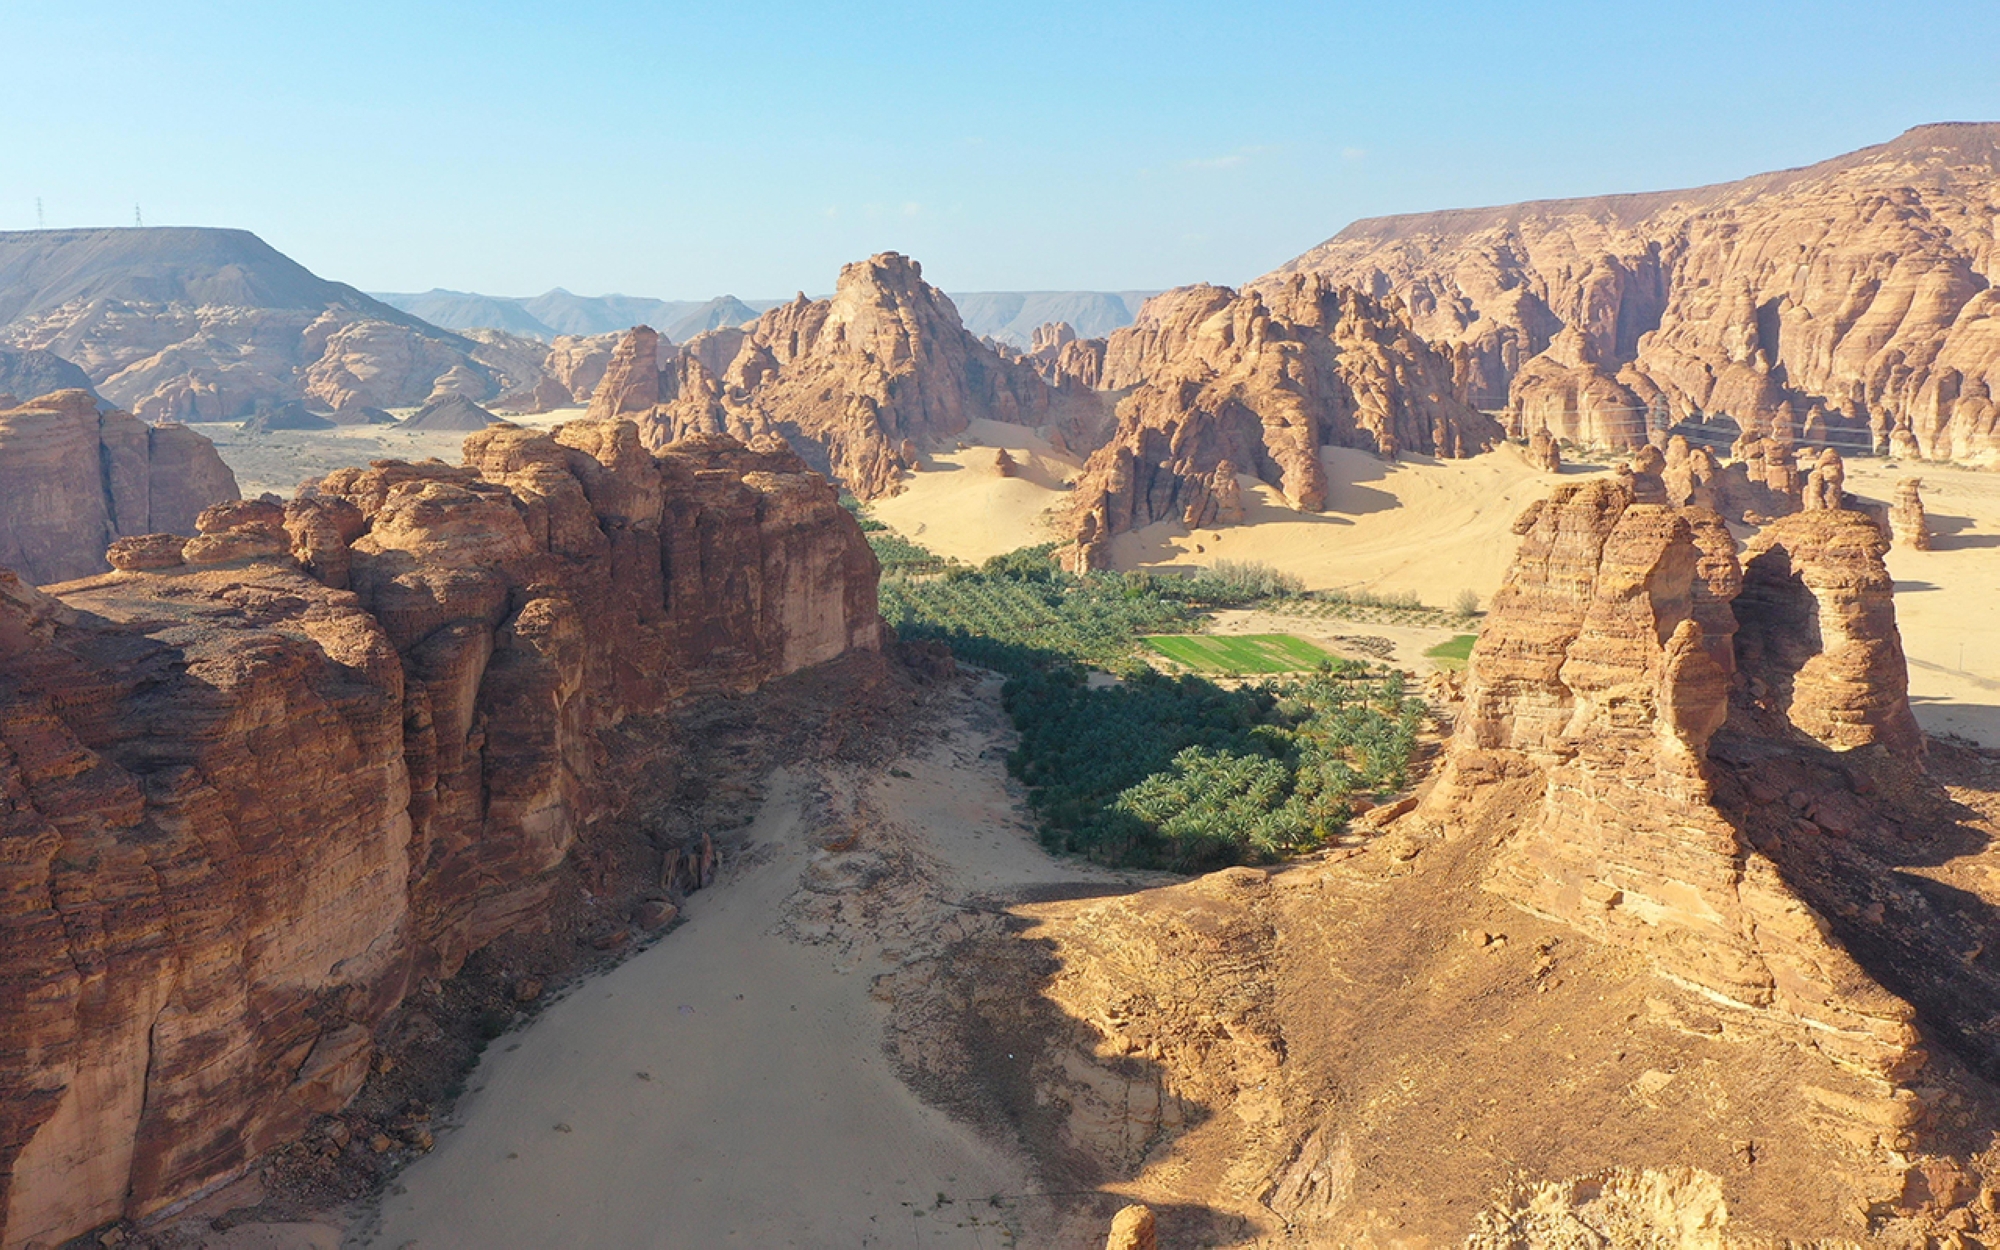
{"x": 729, "y": 1086}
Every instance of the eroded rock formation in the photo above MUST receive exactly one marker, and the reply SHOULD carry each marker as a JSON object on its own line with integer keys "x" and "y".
{"x": 859, "y": 384}
{"x": 1653, "y": 956}
{"x": 1607, "y": 666}
{"x": 1908, "y": 524}
{"x": 1263, "y": 380}
{"x": 255, "y": 783}
{"x": 1545, "y": 454}
{"x": 1859, "y": 291}
{"x": 73, "y": 479}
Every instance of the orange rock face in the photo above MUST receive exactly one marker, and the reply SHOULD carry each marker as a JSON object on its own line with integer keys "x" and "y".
{"x": 1858, "y": 291}
{"x": 73, "y": 480}
{"x": 1262, "y": 380}
{"x": 247, "y": 798}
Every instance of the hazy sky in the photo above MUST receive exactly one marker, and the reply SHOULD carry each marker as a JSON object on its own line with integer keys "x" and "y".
{"x": 688, "y": 150}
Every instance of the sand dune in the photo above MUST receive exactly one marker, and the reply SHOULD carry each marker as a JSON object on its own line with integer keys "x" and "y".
{"x": 960, "y": 506}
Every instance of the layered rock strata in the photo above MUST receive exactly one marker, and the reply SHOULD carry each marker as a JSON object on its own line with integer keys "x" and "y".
{"x": 1262, "y": 380}
{"x": 256, "y": 783}
{"x": 1859, "y": 291}
{"x": 74, "y": 479}
{"x": 1627, "y": 636}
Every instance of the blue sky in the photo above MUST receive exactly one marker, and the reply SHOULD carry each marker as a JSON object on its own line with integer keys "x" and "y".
{"x": 682, "y": 151}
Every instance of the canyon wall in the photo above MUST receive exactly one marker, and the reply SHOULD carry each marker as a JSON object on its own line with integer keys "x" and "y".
{"x": 1260, "y": 381}
{"x": 256, "y": 783}
{"x": 1854, "y": 296}
{"x": 73, "y": 479}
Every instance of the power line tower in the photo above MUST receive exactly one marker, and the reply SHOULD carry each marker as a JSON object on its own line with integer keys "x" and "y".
{"x": 137, "y": 220}
{"x": 41, "y": 223}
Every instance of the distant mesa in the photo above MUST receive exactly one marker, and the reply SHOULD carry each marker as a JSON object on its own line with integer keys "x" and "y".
{"x": 203, "y": 324}
{"x": 452, "y": 413}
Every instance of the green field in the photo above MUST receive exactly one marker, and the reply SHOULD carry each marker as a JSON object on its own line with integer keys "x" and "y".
{"x": 1455, "y": 652}
{"x": 1239, "y": 653}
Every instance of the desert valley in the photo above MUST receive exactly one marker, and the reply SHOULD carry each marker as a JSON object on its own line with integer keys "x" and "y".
{"x": 1486, "y": 734}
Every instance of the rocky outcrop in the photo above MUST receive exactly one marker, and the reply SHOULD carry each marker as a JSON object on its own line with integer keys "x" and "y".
{"x": 578, "y": 362}
{"x": 1133, "y": 1228}
{"x": 1859, "y": 291}
{"x": 631, "y": 381}
{"x": 1626, "y": 639}
{"x": 1907, "y": 522}
{"x": 257, "y": 783}
{"x": 1545, "y": 454}
{"x": 859, "y": 384}
{"x": 73, "y": 479}
{"x": 1263, "y": 380}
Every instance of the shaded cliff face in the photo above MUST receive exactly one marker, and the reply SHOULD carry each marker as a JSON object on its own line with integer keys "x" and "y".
{"x": 1651, "y": 692}
{"x": 1857, "y": 293}
{"x": 255, "y": 783}
{"x": 73, "y": 479}
{"x": 1261, "y": 380}
{"x": 857, "y": 383}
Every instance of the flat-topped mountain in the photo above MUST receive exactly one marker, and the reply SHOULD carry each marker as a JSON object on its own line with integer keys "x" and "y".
{"x": 1852, "y": 298}
{"x": 43, "y": 270}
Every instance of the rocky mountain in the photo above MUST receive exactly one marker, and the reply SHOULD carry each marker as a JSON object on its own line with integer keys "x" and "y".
{"x": 74, "y": 479}
{"x": 1011, "y": 317}
{"x": 264, "y": 783}
{"x": 556, "y": 313}
{"x": 857, "y": 383}
{"x": 1214, "y": 383}
{"x": 1008, "y": 317}
{"x": 1853, "y": 298}
{"x": 203, "y": 324}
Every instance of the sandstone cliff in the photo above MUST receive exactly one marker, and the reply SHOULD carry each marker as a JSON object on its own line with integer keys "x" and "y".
{"x": 255, "y": 784}
{"x": 1858, "y": 291}
{"x": 73, "y": 479}
{"x": 859, "y": 384}
{"x": 1262, "y": 380}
